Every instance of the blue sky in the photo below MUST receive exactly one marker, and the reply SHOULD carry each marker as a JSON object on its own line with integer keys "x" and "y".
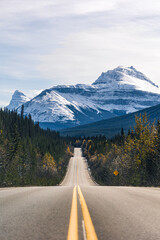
{"x": 49, "y": 42}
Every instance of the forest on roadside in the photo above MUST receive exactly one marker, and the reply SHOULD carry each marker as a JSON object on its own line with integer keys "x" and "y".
{"x": 30, "y": 155}
{"x": 132, "y": 159}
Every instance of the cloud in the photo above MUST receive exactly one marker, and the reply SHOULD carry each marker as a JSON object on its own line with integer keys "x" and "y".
{"x": 93, "y": 6}
{"x": 44, "y": 43}
{"x": 42, "y": 25}
{"x": 49, "y": 8}
{"x": 85, "y": 55}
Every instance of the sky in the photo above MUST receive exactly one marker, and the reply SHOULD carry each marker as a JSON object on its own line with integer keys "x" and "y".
{"x": 44, "y": 43}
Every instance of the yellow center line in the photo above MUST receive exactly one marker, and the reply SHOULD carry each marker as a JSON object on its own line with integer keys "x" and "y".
{"x": 77, "y": 171}
{"x": 73, "y": 223}
{"x": 90, "y": 231}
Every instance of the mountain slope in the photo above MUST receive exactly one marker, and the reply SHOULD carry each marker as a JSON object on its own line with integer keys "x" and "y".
{"x": 53, "y": 110}
{"x": 18, "y": 99}
{"x": 112, "y": 126}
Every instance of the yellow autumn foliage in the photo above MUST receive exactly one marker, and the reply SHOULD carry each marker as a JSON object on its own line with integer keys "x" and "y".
{"x": 69, "y": 151}
{"x": 49, "y": 163}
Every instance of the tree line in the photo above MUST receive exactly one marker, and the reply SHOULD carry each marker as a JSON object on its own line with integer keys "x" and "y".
{"x": 131, "y": 159}
{"x": 30, "y": 155}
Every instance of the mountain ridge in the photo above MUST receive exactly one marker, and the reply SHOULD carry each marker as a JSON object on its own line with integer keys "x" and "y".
{"x": 116, "y": 92}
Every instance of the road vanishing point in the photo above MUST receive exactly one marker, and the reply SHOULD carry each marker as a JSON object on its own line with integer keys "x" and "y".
{"x": 79, "y": 209}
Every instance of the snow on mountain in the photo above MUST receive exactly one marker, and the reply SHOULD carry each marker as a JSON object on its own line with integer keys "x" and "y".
{"x": 48, "y": 106}
{"x": 126, "y": 90}
{"x": 78, "y": 95}
{"x": 56, "y": 107}
{"x": 18, "y": 99}
{"x": 126, "y": 78}
{"x": 115, "y": 92}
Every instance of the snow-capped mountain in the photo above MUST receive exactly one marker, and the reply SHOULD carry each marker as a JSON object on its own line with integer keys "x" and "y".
{"x": 126, "y": 90}
{"x": 115, "y": 92}
{"x": 17, "y": 100}
{"x": 126, "y": 78}
{"x": 65, "y": 106}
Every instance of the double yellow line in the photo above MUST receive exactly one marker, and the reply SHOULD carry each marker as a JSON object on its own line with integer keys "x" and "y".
{"x": 73, "y": 223}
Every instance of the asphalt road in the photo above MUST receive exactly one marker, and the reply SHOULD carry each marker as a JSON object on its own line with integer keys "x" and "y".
{"x": 45, "y": 213}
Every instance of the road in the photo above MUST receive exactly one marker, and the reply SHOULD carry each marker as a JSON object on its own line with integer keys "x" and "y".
{"x": 79, "y": 209}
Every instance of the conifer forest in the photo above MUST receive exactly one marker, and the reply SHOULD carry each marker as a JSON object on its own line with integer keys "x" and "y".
{"x": 30, "y": 155}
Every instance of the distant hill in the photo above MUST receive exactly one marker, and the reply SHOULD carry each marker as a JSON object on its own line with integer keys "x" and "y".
{"x": 111, "y": 127}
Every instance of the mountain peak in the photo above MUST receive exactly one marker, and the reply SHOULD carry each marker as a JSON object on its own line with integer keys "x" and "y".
{"x": 18, "y": 93}
{"x": 126, "y": 76}
{"x": 18, "y": 98}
